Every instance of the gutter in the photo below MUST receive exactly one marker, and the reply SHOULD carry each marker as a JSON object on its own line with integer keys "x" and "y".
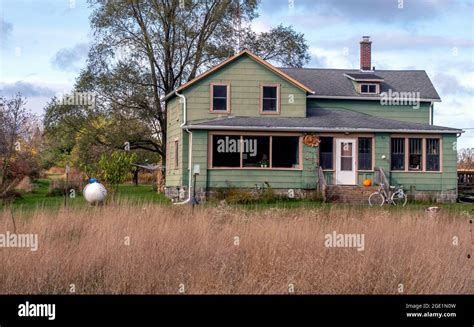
{"x": 363, "y": 98}
{"x": 316, "y": 129}
{"x": 183, "y": 126}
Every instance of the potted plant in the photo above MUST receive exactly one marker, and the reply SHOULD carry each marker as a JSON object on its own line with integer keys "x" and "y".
{"x": 264, "y": 161}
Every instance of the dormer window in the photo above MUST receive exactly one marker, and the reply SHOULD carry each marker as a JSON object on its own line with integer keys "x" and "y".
{"x": 368, "y": 88}
{"x": 220, "y": 98}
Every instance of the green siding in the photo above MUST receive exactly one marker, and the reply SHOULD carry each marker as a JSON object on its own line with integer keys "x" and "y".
{"x": 421, "y": 181}
{"x": 245, "y": 76}
{"x": 361, "y": 176}
{"x": 174, "y": 177}
{"x": 199, "y": 146}
{"x": 374, "y": 108}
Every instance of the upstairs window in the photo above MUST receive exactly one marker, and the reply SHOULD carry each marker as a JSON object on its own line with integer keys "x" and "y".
{"x": 365, "y": 153}
{"x": 326, "y": 153}
{"x": 432, "y": 155}
{"x": 398, "y": 154}
{"x": 270, "y": 102}
{"x": 220, "y": 98}
{"x": 368, "y": 88}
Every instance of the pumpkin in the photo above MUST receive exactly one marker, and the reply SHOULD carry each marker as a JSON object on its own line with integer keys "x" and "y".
{"x": 367, "y": 182}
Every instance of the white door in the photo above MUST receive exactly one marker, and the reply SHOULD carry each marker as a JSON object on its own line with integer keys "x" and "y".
{"x": 345, "y": 161}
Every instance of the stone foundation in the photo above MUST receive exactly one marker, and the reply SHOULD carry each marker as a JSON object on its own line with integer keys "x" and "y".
{"x": 178, "y": 194}
{"x": 434, "y": 196}
{"x": 333, "y": 193}
{"x": 181, "y": 194}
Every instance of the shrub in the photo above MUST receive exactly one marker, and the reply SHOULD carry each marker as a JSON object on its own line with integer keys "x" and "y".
{"x": 58, "y": 187}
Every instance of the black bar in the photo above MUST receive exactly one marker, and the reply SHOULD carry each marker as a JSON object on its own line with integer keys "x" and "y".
{"x": 296, "y": 309}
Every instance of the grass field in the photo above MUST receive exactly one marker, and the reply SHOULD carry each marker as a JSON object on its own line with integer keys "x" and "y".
{"x": 144, "y": 194}
{"x": 39, "y": 197}
{"x": 161, "y": 249}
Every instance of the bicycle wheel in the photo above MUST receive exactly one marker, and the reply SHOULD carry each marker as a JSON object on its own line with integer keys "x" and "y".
{"x": 376, "y": 199}
{"x": 399, "y": 198}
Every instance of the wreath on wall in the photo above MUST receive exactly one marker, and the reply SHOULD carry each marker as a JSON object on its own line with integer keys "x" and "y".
{"x": 311, "y": 140}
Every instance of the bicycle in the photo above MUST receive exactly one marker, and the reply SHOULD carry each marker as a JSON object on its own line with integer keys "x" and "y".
{"x": 395, "y": 196}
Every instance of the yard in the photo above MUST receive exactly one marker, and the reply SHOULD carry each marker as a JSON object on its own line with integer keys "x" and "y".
{"x": 142, "y": 244}
{"x": 39, "y": 197}
{"x": 130, "y": 193}
{"x": 156, "y": 249}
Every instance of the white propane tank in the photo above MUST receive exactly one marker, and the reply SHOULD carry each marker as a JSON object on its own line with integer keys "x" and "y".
{"x": 94, "y": 192}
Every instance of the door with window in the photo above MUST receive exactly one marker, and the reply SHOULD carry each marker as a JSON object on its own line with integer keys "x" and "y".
{"x": 345, "y": 161}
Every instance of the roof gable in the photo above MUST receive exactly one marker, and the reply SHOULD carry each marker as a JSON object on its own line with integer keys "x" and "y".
{"x": 260, "y": 61}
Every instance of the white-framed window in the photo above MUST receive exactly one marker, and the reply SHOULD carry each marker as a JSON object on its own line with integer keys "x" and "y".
{"x": 220, "y": 97}
{"x": 368, "y": 88}
{"x": 270, "y": 99}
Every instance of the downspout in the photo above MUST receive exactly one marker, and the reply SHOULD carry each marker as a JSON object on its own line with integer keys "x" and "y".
{"x": 431, "y": 113}
{"x": 190, "y": 146}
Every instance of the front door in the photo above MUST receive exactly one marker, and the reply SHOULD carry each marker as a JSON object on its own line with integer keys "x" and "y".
{"x": 345, "y": 162}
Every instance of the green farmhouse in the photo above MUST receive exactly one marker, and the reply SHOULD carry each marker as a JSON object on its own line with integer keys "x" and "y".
{"x": 247, "y": 124}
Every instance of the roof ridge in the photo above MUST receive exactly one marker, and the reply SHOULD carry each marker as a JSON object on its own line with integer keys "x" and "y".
{"x": 355, "y": 69}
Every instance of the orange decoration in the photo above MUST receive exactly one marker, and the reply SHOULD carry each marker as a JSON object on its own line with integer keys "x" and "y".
{"x": 367, "y": 182}
{"x": 311, "y": 140}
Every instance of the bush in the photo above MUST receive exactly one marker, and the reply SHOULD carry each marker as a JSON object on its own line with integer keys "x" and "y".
{"x": 57, "y": 187}
{"x": 236, "y": 196}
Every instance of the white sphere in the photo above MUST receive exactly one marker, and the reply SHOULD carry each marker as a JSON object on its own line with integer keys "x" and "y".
{"x": 94, "y": 192}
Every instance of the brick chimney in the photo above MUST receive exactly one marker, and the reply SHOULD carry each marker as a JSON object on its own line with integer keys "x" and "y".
{"x": 365, "y": 53}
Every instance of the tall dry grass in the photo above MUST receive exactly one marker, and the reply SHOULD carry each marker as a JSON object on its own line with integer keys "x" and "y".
{"x": 171, "y": 249}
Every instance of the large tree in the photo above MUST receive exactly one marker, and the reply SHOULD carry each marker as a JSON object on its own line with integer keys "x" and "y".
{"x": 19, "y": 142}
{"x": 466, "y": 158}
{"x": 143, "y": 50}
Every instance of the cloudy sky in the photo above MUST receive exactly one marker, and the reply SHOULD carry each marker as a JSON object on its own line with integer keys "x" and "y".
{"x": 44, "y": 43}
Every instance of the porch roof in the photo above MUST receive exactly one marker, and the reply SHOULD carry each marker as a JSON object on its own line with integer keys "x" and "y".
{"x": 321, "y": 120}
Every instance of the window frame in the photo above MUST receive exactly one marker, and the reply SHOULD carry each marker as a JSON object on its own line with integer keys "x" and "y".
{"x": 278, "y": 102}
{"x": 377, "y": 91}
{"x": 404, "y": 143}
{"x": 372, "y": 153}
{"x": 333, "y": 153}
{"x": 228, "y": 102}
{"x": 424, "y": 138}
{"x": 421, "y": 154}
{"x": 440, "y": 151}
{"x": 270, "y": 158}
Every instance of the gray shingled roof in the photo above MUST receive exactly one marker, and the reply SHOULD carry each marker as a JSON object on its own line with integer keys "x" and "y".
{"x": 320, "y": 119}
{"x": 332, "y": 82}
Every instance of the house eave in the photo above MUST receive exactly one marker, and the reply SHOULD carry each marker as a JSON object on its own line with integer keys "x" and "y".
{"x": 320, "y": 129}
{"x": 343, "y": 97}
